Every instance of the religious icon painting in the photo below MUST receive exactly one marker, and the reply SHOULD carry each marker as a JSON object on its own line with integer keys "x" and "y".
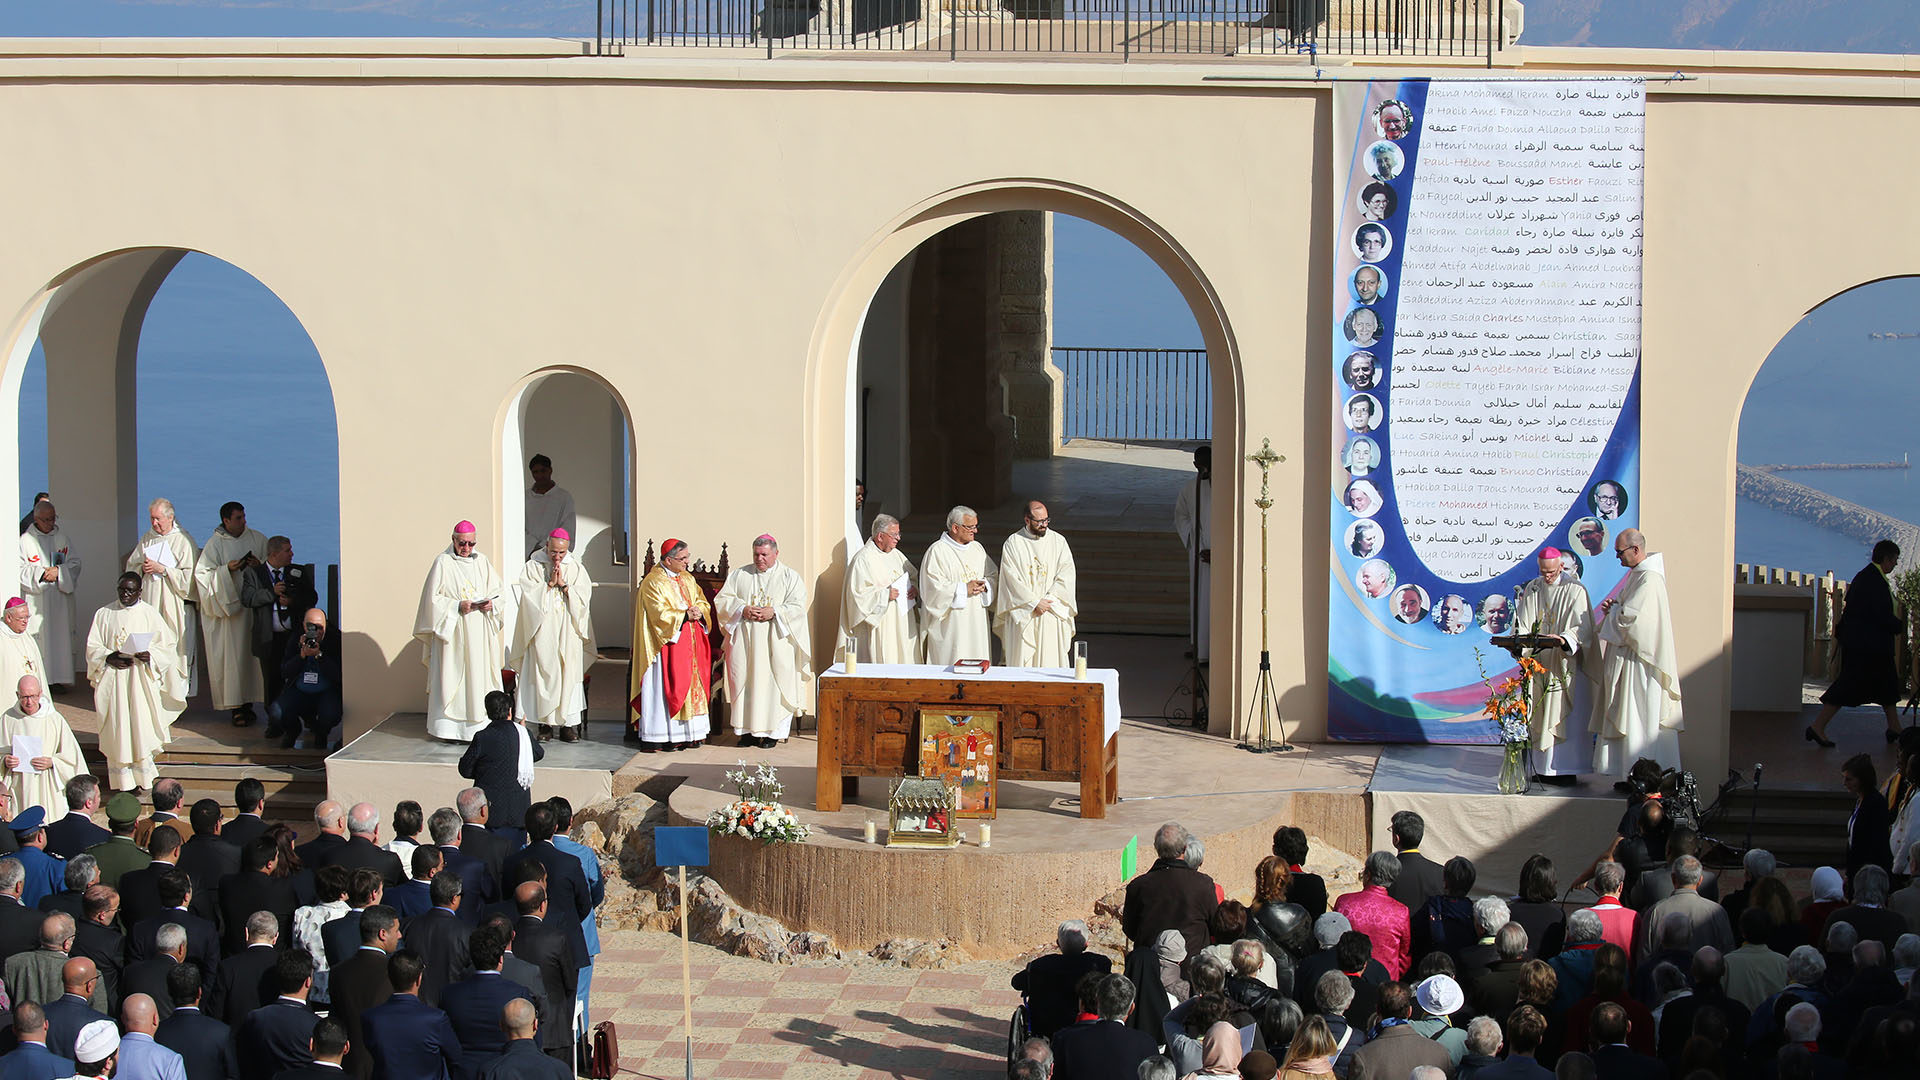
{"x": 961, "y": 749}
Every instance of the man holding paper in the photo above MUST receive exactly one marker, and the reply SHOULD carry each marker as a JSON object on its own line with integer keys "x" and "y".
{"x": 461, "y": 621}
{"x": 19, "y": 652}
{"x": 956, "y": 585}
{"x": 877, "y": 605}
{"x": 41, "y": 752}
{"x": 233, "y": 675}
{"x": 138, "y": 685}
{"x": 49, "y": 572}
{"x": 164, "y": 559}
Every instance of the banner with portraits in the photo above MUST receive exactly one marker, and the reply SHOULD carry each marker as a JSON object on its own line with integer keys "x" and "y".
{"x": 1486, "y": 360}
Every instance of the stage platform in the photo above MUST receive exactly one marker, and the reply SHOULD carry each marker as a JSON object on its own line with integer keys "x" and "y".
{"x": 399, "y": 760}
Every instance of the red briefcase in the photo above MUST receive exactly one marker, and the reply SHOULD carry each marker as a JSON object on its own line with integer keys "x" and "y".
{"x": 600, "y": 1052}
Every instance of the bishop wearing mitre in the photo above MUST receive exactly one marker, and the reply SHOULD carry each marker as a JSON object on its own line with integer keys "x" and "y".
{"x": 956, "y": 586}
{"x": 19, "y": 652}
{"x": 1560, "y": 700}
{"x": 1640, "y": 677}
{"x": 138, "y": 684}
{"x": 763, "y": 609}
{"x": 1035, "y": 610}
{"x": 164, "y": 559}
{"x": 234, "y": 680}
{"x": 49, "y": 572}
{"x": 42, "y": 779}
{"x": 877, "y": 605}
{"x": 553, "y": 638}
{"x": 672, "y": 658}
{"x": 461, "y": 621}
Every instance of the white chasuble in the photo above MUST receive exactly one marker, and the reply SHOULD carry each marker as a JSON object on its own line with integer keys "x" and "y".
{"x": 1559, "y": 703}
{"x": 233, "y": 672}
{"x": 1032, "y": 569}
{"x": 464, "y": 653}
{"x": 958, "y": 626}
{"x": 47, "y": 788}
{"x": 170, "y": 590}
{"x": 885, "y": 628}
{"x": 1193, "y": 520}
{"x": 766, "y": 661}
{"x": 1640, "y": 681}
{"x": 137, "y": 705}
{"x": 552, "y": 641}
{"x": 51, "y": 602}
{"x": 20, "y": 655}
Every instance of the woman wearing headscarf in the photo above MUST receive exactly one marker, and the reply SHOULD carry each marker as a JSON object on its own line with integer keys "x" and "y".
{"x": 1220, "y": 1052}
{"x": 1829, "y": 896}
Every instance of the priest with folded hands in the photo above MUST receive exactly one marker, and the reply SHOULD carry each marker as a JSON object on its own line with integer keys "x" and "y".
{"x": 956, "y": 584}
{"x": 1039, "y": 595}
{"x": 553, "y": 639}
{"x": 763, "y": 608}
{"x": 461, "y": 622}
{"x": 672, "y": 658}
{"x": 878, "y": 606}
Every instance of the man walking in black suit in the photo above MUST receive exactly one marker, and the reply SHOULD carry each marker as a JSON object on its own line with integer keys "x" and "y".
{"x": 473, "y": 1004}
{"x": 479, "y": 886}
{"x": 406, "y": 1036}
{"x": 206, "y": 858}
{"x": 414, "y": 896}
{"x": 76, "y": 832}
{"x": 499, "y": 761}
{"x": 279, "y": 1035}
{"x": 176, "y": 897}
{"x": 140, "y": 889}
{"x": 149, "y": 976}
{"x": 254, "y": 889}
{"x": 278, "y": 592}
{"x": 205, "y": 1045}
{"x": 1094, "y": 1050}
{"x": 363, "y": 849}
{"x": 439, "y": 937}
{"x": 546, "y": 947}
{"x": 568, "y": 896}
{"x": 360, "y": 982}
{"x": 248, "y": 979}
{"x": 522, "y": 1058}
{"x": 249, "y": 800}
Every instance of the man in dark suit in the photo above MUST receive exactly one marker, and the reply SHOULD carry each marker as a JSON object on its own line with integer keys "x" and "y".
{"x": 492, "y": 762}
{"x": 331, "y": 819}
{"x": 546, "y": 947}
{"x": 1708, "y": 976}
{"x": 140, "y": 889}
{"x": 31, "y": 1060}
{"x": 1107, "y": 1047}
{"x": 19, "y": 924}
{"x": 341, "y": 937}
{"x": 1170, "y": 896}
{"x": 1420, "y": 876}
{"x": 439, "y": 937}
{"x": 569, "y": 897}
{"x": 514, "y": 968}
{"x": 82, "y": 872}
{"x": 1869, "y": 914}
{"x": 205, "y": 1045}
{"x": 478, "y": 885}
{"x": 476, "y": 837}
{"x": 522, "y": 1059}
{"x": 1398, "y": 1049}
{"x": 360, "y": 982}
{"x": 1613, "y": 1059}
{"x": 1868, "y": 633}
{"x": 363, "y": 849}
{"x": 176, "y": 896}
{"x": 311, "y": 677}
{"x": 253, "y": 889}
{"x": 149, "y": 976}
{"x": 249, "y": 800}
{"x": 328, "y": 1046}
{"x": 404, "y": 1035}
{"x": 207, "y": 858}
{"x": 1050, "y": 981}
{"x": 1307, "y": 890}
{"x": 95, "y": 938}
{"x": 279, "y": 1035}
{"x": 247, "y": 979}
{"x": 473, "y": 1004}
{"x": 1525, "y": 1028}
{"x": 76, "y": 832}
{"x": 70, "y": 1012}
{"x": 414, "y": 896}
{"x": 278, "y": 592}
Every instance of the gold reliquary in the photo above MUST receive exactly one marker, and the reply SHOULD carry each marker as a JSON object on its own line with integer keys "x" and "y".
{"x": 921, "y": 812}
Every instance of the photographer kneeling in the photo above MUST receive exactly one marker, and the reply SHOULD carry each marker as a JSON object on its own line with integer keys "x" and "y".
{"x": 311, "y": 670}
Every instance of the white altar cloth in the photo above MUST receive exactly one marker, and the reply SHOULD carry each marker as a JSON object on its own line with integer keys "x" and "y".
{"x": 1107, "y": 678}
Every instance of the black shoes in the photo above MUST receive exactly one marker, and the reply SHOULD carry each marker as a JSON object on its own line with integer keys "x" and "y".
{"x": 1827, "y": 744}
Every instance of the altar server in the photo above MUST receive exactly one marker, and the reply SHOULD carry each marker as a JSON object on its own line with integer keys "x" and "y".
{"x": 1193, "y": 520}
{"x": 137, "y": 691}
{"x": 1640, "y": 680}
{"x": 164, "y": 559}
{"x": 1034, "y": 613}
{"x": 763, "y": 609}
{"x": 234, "y": 681}
{"x": 19, "y": 652}
{"x": 1560, "y": 700}
{"x": 553, "y": 638}
{"x": 42, "y": 779}
{"x": 461, "y": 620}
{"x": 672, "y": 657}
{"x": 879, "y": 604}
{"x": 549, "y": 506}
{"x": 956, "y": 585}
{"x": 49, "y": 573}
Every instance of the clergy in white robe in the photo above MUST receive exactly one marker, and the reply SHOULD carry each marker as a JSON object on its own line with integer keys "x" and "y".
{"x": 1560, "y": 700}
{"x": 553, "y": 638}
{"x": 1193, "y": 520}
{"x": 763, "y": 609}
{"x": 138, "y": 684}
{"x": 956, "y": 587}
{"x": 670, "y": 685}
{"x": 19, "y": 652}
{"x": 1640, "y": 678}
{"x": 1038, "y": 599}
{"x": 233, "y": 673}
{"x": 879, "y": 602}
{"x": 164, "y": 559}
{"x": 49, "y": 573}
{"x": 42, "y": 779}
{"x": 549, "y": 506}
{"x": 461, "y": 622}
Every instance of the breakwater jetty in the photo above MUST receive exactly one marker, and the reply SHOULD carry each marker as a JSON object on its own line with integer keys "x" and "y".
{"x": 1832, "y": 466}
{"x": 1811, "y": 504}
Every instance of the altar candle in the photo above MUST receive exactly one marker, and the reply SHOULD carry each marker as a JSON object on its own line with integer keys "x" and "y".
{"x": 850, "y": 657}
{"x": 871, "y": 832}
{"x": 986, "y": 836}
{"x": 1080, "y": 660}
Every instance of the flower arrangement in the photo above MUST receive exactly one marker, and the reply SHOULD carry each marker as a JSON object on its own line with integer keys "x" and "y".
{"x": 755, "y": 811}
{"x": 1509, "y": 710}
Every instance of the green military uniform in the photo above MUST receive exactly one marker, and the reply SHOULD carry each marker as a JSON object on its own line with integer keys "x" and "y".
{"x": 119, "y": 854}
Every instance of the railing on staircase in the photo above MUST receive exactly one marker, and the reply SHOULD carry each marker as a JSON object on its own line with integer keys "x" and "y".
{"x": 1135, "y": 395}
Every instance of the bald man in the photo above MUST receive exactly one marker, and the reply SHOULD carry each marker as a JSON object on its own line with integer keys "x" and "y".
{"x": 140, "y": 1055}
{"x": 548, "y": 948}
{"x": 40, "y": 780}
{"x": 1640, "y": 677}
{"x": 522, "y": 1059}
{"x": 68, "y": 1013}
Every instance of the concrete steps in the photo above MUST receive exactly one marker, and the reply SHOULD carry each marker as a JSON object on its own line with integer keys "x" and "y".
{"x": 1801, "y": 827}
{"x": 208, "y": 768}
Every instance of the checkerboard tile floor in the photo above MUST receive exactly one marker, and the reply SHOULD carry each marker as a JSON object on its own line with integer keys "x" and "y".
{"x": 753, "y": 1020}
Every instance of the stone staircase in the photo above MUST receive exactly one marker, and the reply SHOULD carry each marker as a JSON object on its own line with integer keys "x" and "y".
{"x": 1802, "y": 827}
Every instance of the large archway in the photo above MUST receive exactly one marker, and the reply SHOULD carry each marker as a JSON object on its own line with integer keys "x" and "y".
{"x": 834, "y": 388}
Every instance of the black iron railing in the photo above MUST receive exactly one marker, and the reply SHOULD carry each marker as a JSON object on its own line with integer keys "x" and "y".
{"x": 1118, "y": 28}
{"x": 1135, "y": 395}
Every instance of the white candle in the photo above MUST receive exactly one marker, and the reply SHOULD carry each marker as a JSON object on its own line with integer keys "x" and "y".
{"x": 986, "y": 836}
{"x": 872, "y": 833}
{"x": 1080, "y": 660}
{"x": 850, "y": 655}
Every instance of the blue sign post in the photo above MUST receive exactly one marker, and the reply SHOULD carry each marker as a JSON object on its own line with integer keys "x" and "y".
{"x": 682, "y": 846}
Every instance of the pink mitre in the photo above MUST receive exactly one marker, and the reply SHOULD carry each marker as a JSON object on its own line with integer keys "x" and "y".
{"x": 560, "y": 534}
{"x": 1551, "y": 553}
{"x": 14, "y": 602}
{"x": 465, "y": 527}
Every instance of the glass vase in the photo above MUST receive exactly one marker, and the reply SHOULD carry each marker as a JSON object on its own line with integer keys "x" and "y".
{"x": 1513, "y": 770}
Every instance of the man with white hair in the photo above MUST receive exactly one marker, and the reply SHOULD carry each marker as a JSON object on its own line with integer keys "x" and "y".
{"x": 956, "y": 585}
{"x": 553, "y": 638}
{"x": 164, "y": 559}
{"x": 1171, "y": 895}
{"x": 1560, "y": 698}
{"x": 1490, "y": 913}
{"x": 135, "y": 665}
{"x": 49, "y": 574}
{"x": 19, "y": 649}
{"x": 1050, "y": 981}
{"x": 1640, "y": 675}
{"x": 1332, "y": 997}
{"x": 763, "y": 609}
{"x": 40, "y": 780}
{"x": 1906, "y": 958}
{"x": 1039, "y": 594}
{"x": 1573, "y": 964}
{"x": 459, "y": 624}
{"x": 1803, "y": 1025}
{"x": 1869, "y": 913}
{"x": 363, "y": 849}
{"x": 234, "y": 679}
{"x": 1707, "y": 919}
{"x": 1806, "y": 971}
{"x": 1616, "y": 920}
{"x": 1483, "y": 1045}
{"x": 1758, "y": 863}
{"x": 878, "y": 604}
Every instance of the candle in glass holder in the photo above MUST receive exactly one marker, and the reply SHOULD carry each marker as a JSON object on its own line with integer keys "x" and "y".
{"x": 1079, "y": 659}
{"x": 850, "y": 655}
{"x": 986, "y": 836}
{"x": 872, "y": 832}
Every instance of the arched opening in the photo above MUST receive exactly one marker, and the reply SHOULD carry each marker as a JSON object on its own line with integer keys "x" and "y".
{"x": 952, "y": 393}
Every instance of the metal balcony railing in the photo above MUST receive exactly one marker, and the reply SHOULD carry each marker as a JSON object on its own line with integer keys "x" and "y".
{"x": 1135, "y": 395}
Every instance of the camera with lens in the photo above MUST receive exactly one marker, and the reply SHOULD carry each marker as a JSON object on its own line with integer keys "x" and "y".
{"x": 311, "y": 638}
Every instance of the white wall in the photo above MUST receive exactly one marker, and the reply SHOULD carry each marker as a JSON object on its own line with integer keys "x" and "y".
{"x": 576, "y": 422}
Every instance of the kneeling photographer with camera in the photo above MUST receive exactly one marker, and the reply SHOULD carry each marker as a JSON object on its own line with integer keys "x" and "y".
{"x": 311, "y": 674}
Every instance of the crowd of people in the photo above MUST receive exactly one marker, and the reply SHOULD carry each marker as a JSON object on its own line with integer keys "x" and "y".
{"x": 1424, "y": 972}
{"x": 178, "y": 945}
